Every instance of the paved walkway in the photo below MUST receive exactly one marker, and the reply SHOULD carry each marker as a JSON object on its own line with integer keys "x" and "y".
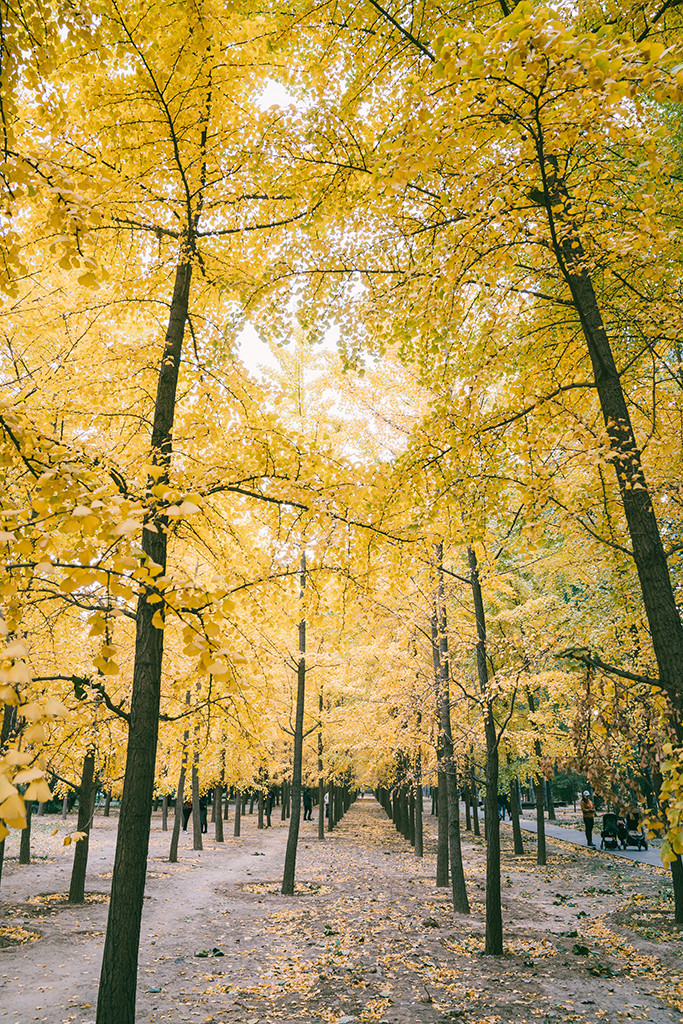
{"x": 570, "y": 835}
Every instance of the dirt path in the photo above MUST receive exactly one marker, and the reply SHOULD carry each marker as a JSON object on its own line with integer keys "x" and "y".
{"x": 367, "y": 938}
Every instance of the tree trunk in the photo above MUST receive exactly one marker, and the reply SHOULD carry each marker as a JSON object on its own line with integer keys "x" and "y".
{"x": 539, "y": 794}
{"x": 468, "y": 809}
{"x": 442, "y": 827}
{"x": 118, "y": 979}
{"x": 107, "y": 804}
{"x": 494, "y": 915}
{"x": 330, "y": 806}
{"x": 218, "y": 811}
{"x": 539, "y": 787}
{"x": 419, "y": 828}
{"x": 86, "y": 805}
{"x": 260, "y": 809}
{"x": 297, "y": 761}
{"x": 321, "y": 783}
{"x": 677, "y": 878}
{"x": 178, "y": 816}
{"x": 25, "y": 841}
{"x": 551, "y": 802}
{"x": 663, "y": 618}
{"x": 474, "y": 792}
{"x": 515, "y": 815}
{"x": 238, "y": 813}
{"x": 659, "y": 600}
{"x": 461, "y": 903}
{"x": 252, "y": 799}
{"x": 65, "y": 806}
{"x": 197, "y": 842}
{"x": 164, "y": 812}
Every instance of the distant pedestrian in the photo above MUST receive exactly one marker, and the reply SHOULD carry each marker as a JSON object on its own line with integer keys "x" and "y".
{"x": 308, "y": 805}
{"x": 203, "y": 815}
{"x": 588, "y": 812}
{"x": 187, "y": 811}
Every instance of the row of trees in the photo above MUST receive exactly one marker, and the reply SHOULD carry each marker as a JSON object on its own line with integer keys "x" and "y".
{"x": 483, "y": 202}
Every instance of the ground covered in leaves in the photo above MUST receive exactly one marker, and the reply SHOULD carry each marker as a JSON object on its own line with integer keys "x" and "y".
{"x": 367, "y": 937}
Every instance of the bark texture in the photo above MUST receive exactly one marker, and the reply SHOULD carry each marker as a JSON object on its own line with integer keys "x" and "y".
{"x": 293, "y": 836}
{"x": 86, "y": 806}
{"x": 118, "y": 979}
{"x": 494, "y": 915}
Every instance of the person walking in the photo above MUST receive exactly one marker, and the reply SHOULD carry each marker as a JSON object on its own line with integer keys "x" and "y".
{"x": 187, "y": 811}
{"x": 588, "y": 812}
{"x": 308, "y": 805}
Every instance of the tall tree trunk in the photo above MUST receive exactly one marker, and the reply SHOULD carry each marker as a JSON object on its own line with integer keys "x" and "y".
{"x": 330, "y": 806}
{"x": 321, "y": 781}
{"x": 663, "y": 618}
{"x": 218, "y": 811}
{"x": 260, "y": 809}
{"x": 515, "y": 815}
{"x": 297, "y": 761}
{"x": 25, "y": 841}
{"x": 164, "y": 812}
{"x": 86, "y": 805}
{"x": 461, "y": 904}
{"x": 118, "y": 979}
{"x": 468, "y": 802}
{"x": 419, "y": 830}
{"x": 197, "y": 842}
{"x": 178, "y": 816}
{"x": 494, "y": 914}
{"x": 107, "y": 803}
{"x": 238, "y": 813}
{"x": 549, "y": 797}
{"x": 474, "y": 793}
{"x": 539, "y": 794}
{"x": 539, "y": 787}
{"x": 65, "y": 806}
{"x": 442, "y": 827}
{"x": 659, "y": 600}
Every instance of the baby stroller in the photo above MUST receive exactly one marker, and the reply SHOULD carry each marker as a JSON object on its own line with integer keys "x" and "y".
{"x": 631, "y": 834}
{"x": 609, "y": 836}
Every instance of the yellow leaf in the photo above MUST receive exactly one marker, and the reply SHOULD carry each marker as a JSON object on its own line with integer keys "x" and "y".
{"x": 88, "y": 281}
{"x": 28, "y": 775}
{"x": 35, "y": 734}
{"x": 12, "y": 809}
{"x": 55, "y": 709}
{"x": 38, "y": 790}
{"x": 16, "y": 649}
{"x": 128, "y": 526}
{"x": 6, "y": 788}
